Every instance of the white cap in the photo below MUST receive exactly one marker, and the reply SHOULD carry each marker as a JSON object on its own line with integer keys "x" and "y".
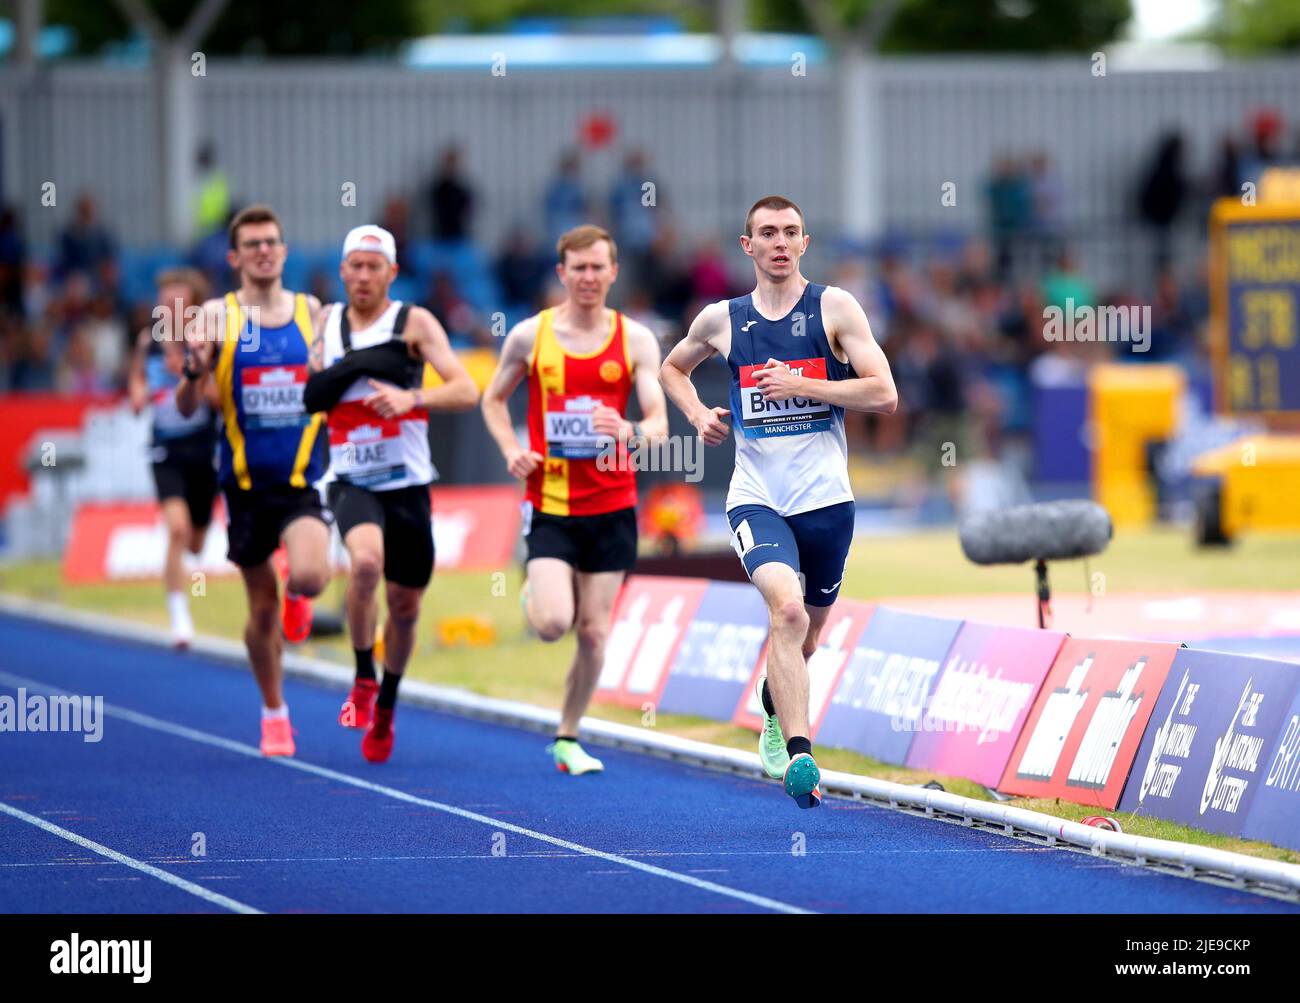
{"x": 371, "y": 238}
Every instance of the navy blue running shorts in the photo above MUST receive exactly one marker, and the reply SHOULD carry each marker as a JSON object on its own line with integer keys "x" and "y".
{"x": 815, "y": 544}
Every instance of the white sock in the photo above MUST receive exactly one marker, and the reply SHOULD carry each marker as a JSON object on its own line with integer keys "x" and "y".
{"x": 178, "y": 606}
{"x": 276, "y": 714}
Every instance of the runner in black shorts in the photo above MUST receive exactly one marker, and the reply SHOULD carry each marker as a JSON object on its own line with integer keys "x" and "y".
{"x": 253, "y": 349}
{"x": 583, "y": 362}
{"x": 380, "y": 468}
{"x": 181, "y": 448}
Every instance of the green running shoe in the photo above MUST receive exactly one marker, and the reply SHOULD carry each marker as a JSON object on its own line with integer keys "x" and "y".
{"x": 572, "y": 759}
{"x": 771, "y": 742}
{"x": 801, "y": 780}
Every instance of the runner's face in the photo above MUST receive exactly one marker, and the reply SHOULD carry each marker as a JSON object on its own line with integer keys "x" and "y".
{"x": 259, "y": 252}
{"x": 588, "y": 274}
{"x": 777, "y": 243}
{"x": 366, "y": 276}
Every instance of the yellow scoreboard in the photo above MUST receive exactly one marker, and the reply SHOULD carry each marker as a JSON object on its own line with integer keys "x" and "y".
{"x": 1255, "y": 308}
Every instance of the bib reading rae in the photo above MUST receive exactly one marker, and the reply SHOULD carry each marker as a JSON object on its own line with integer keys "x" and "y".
{"x": 795, "y": 416}
{"x": 366, "y": 449}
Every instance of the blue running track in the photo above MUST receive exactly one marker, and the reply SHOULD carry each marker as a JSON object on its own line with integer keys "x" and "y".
{"x": 467, "y": 817}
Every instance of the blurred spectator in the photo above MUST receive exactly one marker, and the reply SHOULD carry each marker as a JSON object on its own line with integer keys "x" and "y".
{"x": 33, "y": 367}
{"x": 451, "y": 200}
{"x": 1164, "y": 189}
{"x": 1047, "y": 217}
{"x": 453, "y": 312}
{"x": 1010, "y": 202}
{"x": 564, "y": 204}
{"x": 12, "y": 262}
{"x": 212, "y": 193}
{"x": 708, "y": 273}
{"x": 209, "y": 257}
{"x": 1064, "y": 285}
{"x": 84, "y": 243}
{"x": 1226, "y": 182}
{"x": 396, "y": 219}
{"x": 634, "y": 223}
{"x": 522, "y": 271}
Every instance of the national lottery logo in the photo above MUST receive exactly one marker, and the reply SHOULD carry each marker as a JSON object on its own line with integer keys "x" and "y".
{"x": 1239, "y": 753}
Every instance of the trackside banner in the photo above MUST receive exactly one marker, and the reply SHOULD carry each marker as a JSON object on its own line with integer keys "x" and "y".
{"x": 981, "y": 700}
{"x": 474, "y": 529}
{"x": 882, "y": 692}
{"x": 1275, "y": 814}
{"x": 718, "y": 652}
{"x": 1084, "y": 730}
{"x": 1203, "y": 756}
{"x": 649, "y": 622}
{"x": 840, "y": 633}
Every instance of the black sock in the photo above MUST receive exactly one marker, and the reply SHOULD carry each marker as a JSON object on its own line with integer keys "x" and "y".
{"x": 365, "y": 662}
{"x": 797, "y": 745}
{"x": 388, "y": 690}
{"x": 566, "y": 738}
{"x": 768, "y": 706}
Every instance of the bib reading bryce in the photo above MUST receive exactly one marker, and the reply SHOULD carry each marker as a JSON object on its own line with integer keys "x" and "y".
{"x": 795, "y": 416}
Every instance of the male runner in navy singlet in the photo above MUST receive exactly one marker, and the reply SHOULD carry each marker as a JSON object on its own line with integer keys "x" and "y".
{"x": 800, "y": 355}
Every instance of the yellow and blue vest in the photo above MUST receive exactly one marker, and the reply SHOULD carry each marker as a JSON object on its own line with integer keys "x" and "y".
{"x": 270, "y": 440}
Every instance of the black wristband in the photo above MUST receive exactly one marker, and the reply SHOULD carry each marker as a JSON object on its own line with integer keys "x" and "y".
{"x": 191, "y": 374}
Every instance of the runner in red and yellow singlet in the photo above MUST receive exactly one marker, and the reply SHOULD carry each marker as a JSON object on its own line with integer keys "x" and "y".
{"x": 582, "y": 361}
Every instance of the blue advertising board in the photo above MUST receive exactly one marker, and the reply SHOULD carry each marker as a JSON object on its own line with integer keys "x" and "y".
{"x": 1275, "y": 814}
{"x": 718, "y": 653}
{"x": 882, "y": 693}
{"x": 1202, "y": 758}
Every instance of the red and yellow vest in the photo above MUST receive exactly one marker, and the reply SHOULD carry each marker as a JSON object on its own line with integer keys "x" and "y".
{"x": 563, "y": 390}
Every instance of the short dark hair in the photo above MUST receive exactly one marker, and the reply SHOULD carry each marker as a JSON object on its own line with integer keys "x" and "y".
{"x": 582, "y": 237}
{"x": 253, "y": 214}
{"x": 770, "y": 202}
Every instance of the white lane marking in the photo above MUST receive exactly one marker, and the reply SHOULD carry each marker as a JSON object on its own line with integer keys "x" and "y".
{"x": 216, "y": 741}
{"x": 122, "y": 858}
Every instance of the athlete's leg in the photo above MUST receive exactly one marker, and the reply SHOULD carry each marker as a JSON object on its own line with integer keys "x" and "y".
{"x": 365, "y": 545}
{"x": 550, "y": 604}
{"x": 262, "y": 633}
{"x": 400, "y": 627}
{"x": 176, "y": 516}
{"x": 597, "y": 592}
{"x": 816, "y": 621}
{"x": 306, "y": 543}
{"x": 787, "y": 669}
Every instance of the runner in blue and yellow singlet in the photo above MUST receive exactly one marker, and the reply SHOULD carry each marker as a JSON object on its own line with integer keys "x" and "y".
{"x": 255, "y": 344}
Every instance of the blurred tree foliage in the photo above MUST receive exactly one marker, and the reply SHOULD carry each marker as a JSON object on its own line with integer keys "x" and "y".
{"x": 351, "y": 27}
{"x": 1252, "y": 27}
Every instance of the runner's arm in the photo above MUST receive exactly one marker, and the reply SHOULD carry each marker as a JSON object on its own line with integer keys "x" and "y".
{"x": 675, "y": 374}
{"x": 137, "y": 383}
{"x": 458, "y": 392}
{"x": 873, "y": 387}
{"x": 201, "y": 356}
{"x": 511, "y": 368}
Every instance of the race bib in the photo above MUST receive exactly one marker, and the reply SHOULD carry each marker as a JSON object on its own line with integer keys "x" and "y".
{"x": 569, "y": 430}
{"x": 272, "y": 396}
{"x": 365, "y": 449}
{"x": 796, "y": 416}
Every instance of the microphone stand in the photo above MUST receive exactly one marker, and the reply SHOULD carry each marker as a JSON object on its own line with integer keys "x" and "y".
{"x": 1044, "y": 594}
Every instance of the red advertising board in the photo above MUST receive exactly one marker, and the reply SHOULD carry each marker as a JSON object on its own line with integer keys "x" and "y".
{"x": 474, "y": 529}
{"x": 647, "y": 626}
{"x": 1080, "y": 739}
{"x": 23, "y": 415}
{"x": 843, "y": 626}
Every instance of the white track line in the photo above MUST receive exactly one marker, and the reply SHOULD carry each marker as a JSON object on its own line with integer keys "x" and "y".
{"x": 216, "y": 741}
{"x": 139, "y": 865}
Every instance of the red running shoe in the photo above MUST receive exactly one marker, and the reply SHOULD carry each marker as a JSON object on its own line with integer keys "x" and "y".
{"x": 359, "y": 708}
{"x": 377, "y": 742}
{"x": 277, "y": 737}
{"x": 295, "y": 618}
